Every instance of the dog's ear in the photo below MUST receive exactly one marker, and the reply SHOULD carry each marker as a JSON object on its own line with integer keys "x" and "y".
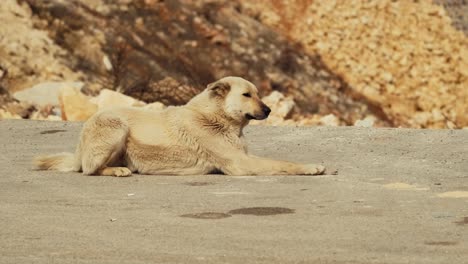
{"x": 219, "y": 89}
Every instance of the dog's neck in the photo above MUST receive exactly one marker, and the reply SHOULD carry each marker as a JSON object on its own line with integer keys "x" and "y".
{"x": 219, "y": 124}
{"x": 210, "y": 115}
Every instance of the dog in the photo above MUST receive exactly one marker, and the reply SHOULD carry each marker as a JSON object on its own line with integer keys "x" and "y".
{"x": 200, "y": 137}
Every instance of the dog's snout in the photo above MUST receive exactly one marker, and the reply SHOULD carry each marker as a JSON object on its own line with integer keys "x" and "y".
{"x": 266, "y": 110}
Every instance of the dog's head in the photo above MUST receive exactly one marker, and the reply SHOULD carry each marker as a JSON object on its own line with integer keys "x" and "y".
{"x": 239, "y": 99}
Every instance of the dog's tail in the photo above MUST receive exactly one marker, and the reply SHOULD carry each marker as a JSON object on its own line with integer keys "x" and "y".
{"x": 60, "y": 162}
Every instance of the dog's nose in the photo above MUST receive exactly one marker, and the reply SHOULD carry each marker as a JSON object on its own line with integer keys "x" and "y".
{"x": 266, "y": 110}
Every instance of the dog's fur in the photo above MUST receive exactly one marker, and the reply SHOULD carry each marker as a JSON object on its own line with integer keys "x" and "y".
{"x": 203, "y": 136}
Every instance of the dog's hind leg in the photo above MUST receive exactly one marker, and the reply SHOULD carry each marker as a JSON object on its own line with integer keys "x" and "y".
{"x": 103, "y": 144}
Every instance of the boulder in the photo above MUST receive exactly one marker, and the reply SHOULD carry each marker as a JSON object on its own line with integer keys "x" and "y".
{"x": 74, "y": 105}
{"x": 155, "y": 106}
{"x": 46, "y": 93}
{"x": 108, "y": 99}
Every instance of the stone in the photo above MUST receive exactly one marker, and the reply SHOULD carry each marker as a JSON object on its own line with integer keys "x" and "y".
{"x": 74, "y": 105}
{"x": 7, "y": 115}
{"x": 108, "y": 99}
{"x": 366, "y": 122}
{"x": 45, "y": 93}
{"x": 330, "y": 120}
{"x": 155, "y": 106}
{"x": 281, "y": 106}
{"x": 22, "y": 109}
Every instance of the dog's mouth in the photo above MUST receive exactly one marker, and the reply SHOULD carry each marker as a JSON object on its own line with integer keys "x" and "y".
{"x": 250, "y": 117}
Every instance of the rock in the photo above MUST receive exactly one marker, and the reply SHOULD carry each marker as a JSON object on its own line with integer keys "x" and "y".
{"x": 5, "y": 95}
{"x": 313, "y": 120}
{"x": 22, "y": 109}
{"x": 421, "y": 118}
{"x": 280, "y": 105}
{"x": 437, "y": 115}
{"x": 39, "y": 115}
{"x": 281, "y": 108}
{"x": 74, "y": 105}
{"x": 366, "y": 122}
{"x": 283, "y": 114}
{"x": 45, "y": 93}
{"x": 7, "y": 115}
{"x": 155, "y": 106}
{"x": 108, "y": 99}
{"x": 330, "y": 120}
{"x": 107, "y": 63}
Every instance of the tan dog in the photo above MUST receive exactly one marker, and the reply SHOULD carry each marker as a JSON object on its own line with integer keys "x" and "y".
{"x": 203, "y": 136}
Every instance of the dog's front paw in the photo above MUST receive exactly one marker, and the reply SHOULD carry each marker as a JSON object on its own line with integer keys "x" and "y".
{"x": 314, "y": 169}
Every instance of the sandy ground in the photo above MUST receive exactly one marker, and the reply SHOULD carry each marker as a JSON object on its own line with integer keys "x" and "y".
{"x": 401, "y": 196}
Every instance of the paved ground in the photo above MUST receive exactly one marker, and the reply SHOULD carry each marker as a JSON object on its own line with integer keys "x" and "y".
{"x": 401, "y": 196}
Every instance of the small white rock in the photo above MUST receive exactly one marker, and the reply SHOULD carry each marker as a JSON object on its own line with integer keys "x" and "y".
{"x": 107, "y": 63}
{"x": 366, "y": 122}
{"x": 329, "y": 120}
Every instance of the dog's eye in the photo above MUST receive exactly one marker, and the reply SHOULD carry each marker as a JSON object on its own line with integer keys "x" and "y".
{"x": 247, "y": 95}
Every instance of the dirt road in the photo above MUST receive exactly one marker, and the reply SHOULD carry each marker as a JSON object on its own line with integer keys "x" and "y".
{"x": 401, "y": 196}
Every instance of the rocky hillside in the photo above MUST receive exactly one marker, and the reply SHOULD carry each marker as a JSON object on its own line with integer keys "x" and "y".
{"x": 392, "y": 63}
{"x": 408, "y": 57}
